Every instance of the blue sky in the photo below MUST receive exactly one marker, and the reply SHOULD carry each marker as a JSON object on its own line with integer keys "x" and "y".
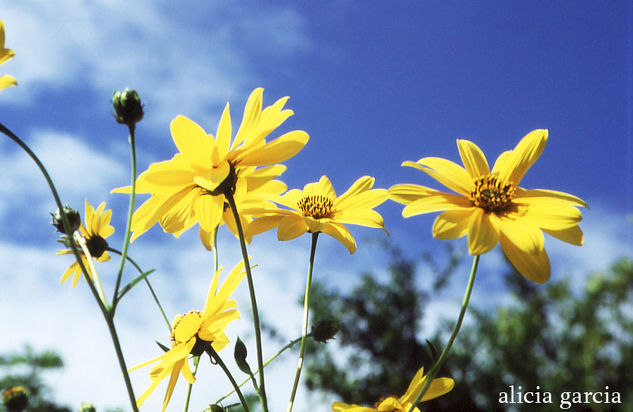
{"x": 374, "y": 83}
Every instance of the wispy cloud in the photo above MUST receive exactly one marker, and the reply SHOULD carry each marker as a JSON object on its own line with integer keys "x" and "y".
{"x": 181, "y": 57}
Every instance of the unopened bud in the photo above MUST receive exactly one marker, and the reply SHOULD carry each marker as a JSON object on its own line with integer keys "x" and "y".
{"x": 73, "y": 219}
{"x": 128, "y": 108}
{"x": 325, "y": 330}
{"x": 15, "y": 399}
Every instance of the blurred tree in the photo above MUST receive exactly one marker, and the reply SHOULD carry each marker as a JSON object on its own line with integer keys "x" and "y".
{"x": 560, "y": 336}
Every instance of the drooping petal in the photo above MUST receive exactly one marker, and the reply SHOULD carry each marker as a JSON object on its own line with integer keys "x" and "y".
{"x": 263, "y": 224}
{"x": 452, "y": 224}
{"x": 446, "y": 172}
{"x": 571, "y": 235}
{"x": 523, "y": 235}
{"x": 483, "y": 232}
{"x": 526, "y": 152}
{"x": 473, "y": 158}
{"x": 434, "y": 202}
{"x": 340, "y": 233}
{"x": 291, "y": 226}
{"x": 208, "y": 210}
{"x": 362, "y": 217}
{"x": 534, "y": 267}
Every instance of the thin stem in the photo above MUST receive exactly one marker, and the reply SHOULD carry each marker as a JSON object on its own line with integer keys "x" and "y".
{"x": 440, "y": 361}
{"x": 102, "y": 307}
{"x": 196, "y": 363}
{"x": 214, "y": 356}
{"x": 91, "y": 265}
{"x": 149, "y": 285}
{"x": 128, "y": 226}
{"x": 251, "y": 290}
{"x": 304, "y": 330}
{"x": 282, "y": 350}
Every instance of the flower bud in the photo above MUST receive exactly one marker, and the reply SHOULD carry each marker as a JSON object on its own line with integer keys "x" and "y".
{"x": 128, "y": 108}
{"x": 73, "y": 219}
{"x": 325, "y": 330}
{"x": 15, "y": 399}
{"x": 87, "y": 407}
{"x": 214, "y": 408}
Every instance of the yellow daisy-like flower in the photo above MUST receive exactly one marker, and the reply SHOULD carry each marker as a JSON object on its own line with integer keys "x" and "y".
{"x": 316, "y": 208}
{"x": 193, "y": 332}
{"x": 95, "y": 232}
{"x": 438, "y": 387}
{"x": 5, "y": 54}
{"x": 190, "y": 188}
{"x": 490, "y": 206}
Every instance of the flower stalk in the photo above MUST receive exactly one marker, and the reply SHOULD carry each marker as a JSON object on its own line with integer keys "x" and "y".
{"x": 304, "y": 330}
{"x": 251, "y": 290}
{"x": 440, "y": 361}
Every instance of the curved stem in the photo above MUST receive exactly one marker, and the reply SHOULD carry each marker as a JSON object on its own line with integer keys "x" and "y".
{"x": 440, "y": 361}
{"x": 104, "y": 310}
{"x": 304, "y": 330}
{"x": 251, "y": 290}
{"x": 128, "y": 226}
{"x": 149, "y": 285}
{"x": 272, "y": 358}
{"x": 214, "y": 355}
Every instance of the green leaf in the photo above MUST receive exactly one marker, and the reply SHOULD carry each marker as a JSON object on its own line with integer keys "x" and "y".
{"x": 133, "y": 283}
{"x": 240, "y": 353}
{"x": 163, "y": 347}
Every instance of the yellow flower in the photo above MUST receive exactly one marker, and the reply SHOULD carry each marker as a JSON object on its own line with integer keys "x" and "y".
{"x": 190, "y": 188}
{"x": 490, "y": 206}
{"x": 193, "y": 332}
{"x": 97, "y": 230}
{"x": 316, "y": 208}
{"x": 5, "y": 54}
{"x": 438, "y": 387}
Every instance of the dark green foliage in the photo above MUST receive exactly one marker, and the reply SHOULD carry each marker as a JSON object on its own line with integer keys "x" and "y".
{"x": 562, "y": 336}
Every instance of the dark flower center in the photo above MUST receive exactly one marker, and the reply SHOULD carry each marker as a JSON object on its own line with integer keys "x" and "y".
{"x": 227, "y": 185}
{"x": 316, "y": 206}
{"x": 96, "y": 246}
{"x": 491, "y": 194}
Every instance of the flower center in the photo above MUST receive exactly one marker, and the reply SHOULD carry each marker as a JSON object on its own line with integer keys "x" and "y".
{"x": 96, "y": 245}
{"x": 491, "y": 194}
{"x": 316, "y": 206}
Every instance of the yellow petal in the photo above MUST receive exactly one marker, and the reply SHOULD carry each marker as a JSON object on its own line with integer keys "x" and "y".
{"x": 7, "y": 81}
{"x": 523, "y": 235}
{"x": 483, "y": 232}
{"x": 290, "y": 227}
{"x": 446, "y": 172}
{"x": 535, "y": 196}
{"x": 192, "y": 141}
{"x": 252, "y": 113}
{"x": 526, "y": 152}
{"x": 214, "y": 177}
{"x": 276, "y": 151}
{"x": 208, "y": 210}
{"x": 534, "y": 267}
{"x": 263, "y": 224}
{"x": 571, "y": 235}
{"x": 340, "y": 233}
{"x": 435, "y": 202}
{"x": 223, "y": 136}
{"x": 554, "y": 216}
{"x": 473, "y": 158}
{"x": 187, "y": 327}
{"x": 406, "y": 193}
{"x": 2, "y": 34}
{"x": 173, "y": 379}
{"x": 366, "y": 200}
{"x": 452, "y": 224}
{"x": 362, "y": 217}
{"x": 361, "y": 185}
{"x": 177, "y": 217}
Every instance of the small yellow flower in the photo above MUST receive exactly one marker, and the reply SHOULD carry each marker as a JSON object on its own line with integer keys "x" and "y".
{"x": 97, "y": 230}
{"x": 5, "y": 54}
{"x": 316, "y": 208}
{"x": 438, "y": 387}
{"x": 190, "y": 188}
{"x": 490, "y": 207}
{"x": 193, "y": 332}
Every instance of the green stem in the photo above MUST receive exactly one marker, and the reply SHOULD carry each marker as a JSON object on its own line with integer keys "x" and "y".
{"x": 128, "y": 226}
{"x": 304, "y": 330}
{"x": 440, "y": 361}
{"x": 251, "y": 290}
{"x": 196, "y": 363}
{"x": 149, "y": 285}
{"x": 104, "y": 311}
{"x": 214, "y": 356}
{"x": 282, "y": 350}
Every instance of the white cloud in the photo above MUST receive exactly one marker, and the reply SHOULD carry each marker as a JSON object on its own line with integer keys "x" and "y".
{"x": 180, "y": 57}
